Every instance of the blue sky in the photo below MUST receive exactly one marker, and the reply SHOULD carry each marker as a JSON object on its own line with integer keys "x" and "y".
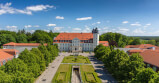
{"x": 129, "y": 17}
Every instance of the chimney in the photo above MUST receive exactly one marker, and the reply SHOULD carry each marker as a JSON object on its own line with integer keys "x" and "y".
{"x": 153, "y": 48}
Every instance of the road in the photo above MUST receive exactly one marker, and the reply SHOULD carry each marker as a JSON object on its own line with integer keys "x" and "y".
{"x": 48, "y": 74}
{"x": 103, "y": 74}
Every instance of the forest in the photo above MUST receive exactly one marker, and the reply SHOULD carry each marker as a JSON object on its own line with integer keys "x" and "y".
{"x": 39, "y": 36}
{"x": 120, "y": 40}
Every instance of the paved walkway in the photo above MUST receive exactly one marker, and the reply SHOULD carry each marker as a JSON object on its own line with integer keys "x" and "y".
{"x": 76, "y": 77}
{"x": 103, "y": 74}
{"x": 48, "y": 74}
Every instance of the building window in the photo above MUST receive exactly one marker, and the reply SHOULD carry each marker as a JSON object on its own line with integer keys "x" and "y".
{"x": 148, "y": 65}
{"x": 154, "y": 68}
{"x": 4, "y": 62}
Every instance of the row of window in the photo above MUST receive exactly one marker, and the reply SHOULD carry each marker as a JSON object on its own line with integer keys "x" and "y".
{"x": 85, "y": 41}
{"x": 66, "y": 44}
{"x": 4, "y": 62}
{"x": 154, "y": 68}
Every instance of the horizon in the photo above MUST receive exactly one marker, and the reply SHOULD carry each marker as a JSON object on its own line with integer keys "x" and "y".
{"x": 131, "y": 18}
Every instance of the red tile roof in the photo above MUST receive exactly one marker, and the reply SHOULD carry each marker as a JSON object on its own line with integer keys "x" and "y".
{"x": 105, "y": 43}
{"x": 71, "y": 36}
{"x": 136, "y": 51}
{"x": 151, "y": 57}
{"x": 4, "y": 56}
{"x": 142, "y": 46}
{"x": 10, "y": 51}
{"x": 22, "y": 44}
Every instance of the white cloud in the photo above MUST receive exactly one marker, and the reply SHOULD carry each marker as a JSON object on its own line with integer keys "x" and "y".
{"x": 58, "y": 28}
{"x": 59, "y": 17}
{"x": 105, "y": 28}
{"x": 38, "y": 7}
{"x": 98, "y": 22}
{"x": 6, "y": 8}
{"x": 12, "y": 28}
{"x": 125, "y": 22}
{"x": 84, "y": 18}
{"x": 124, "y": 29}
{"x": 87, "y": 29}
{"x": 51, "y": 25}
{"x": 27, "y": 26}
{"x": 9, "y": 27}
{"x": 36, "y": 26}
{"x": 136, "y": 24}
{"x": 148, "y": 24}
{"x": 32, "y": 31}
{"x": 76, "y": 29}
{"x": 138, "y": 31}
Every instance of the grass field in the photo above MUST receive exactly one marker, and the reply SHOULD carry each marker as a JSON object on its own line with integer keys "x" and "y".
{"x": 63, "y": 74}
{"x": 88, "y": 74}
{"x": 73, "y": 59}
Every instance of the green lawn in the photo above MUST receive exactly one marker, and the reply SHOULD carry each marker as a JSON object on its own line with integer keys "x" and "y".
{"x": 88, "y": 74}
{"x": 77, "y": 59}
{"x": 63, "y": 74}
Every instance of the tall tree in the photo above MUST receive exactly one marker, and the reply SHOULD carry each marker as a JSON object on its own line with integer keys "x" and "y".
{"x": 146, "y": 75}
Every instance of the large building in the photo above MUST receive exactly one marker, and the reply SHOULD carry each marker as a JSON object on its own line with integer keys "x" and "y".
{"x": 21, "y": 46}
{"x": 71, "y": 42}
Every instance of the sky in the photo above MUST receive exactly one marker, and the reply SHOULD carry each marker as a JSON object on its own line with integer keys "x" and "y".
{"x": 129, "y": 17}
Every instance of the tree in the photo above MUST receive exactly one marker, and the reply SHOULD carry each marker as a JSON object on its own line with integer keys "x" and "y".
{"x": 136, "y": 41}
{"x": 116, "y": 39}
{"x": 146, "y": 75}
{"x": 46, "y": 54}
{"x": 21, "y": 38}
{"x": 15, "y": 65}
{"x": 97, "y": 47}
{"x": 22, "y": 77}
{"x": 41, "y": 36}
{"x": 5, "y": 78}
{"x": 132, "y": 67}
{"x": 153, "y": 42}
{"x": 41, "y": 60}
{"x": 115, "y": 62}
{"x": 6, "y": 38}
{"x": 32, "y": 60}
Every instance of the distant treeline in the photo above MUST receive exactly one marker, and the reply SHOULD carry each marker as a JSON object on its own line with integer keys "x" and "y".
{"x": 39, "y": 36}
{"x": 120, "y": 40}
{"x": 148, "y": 37}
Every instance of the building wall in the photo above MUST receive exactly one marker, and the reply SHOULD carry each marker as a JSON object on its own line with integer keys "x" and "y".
{"x": 19, "y": 48}
{"x": 68, "y": 46}
{"x": 95, "y": 40}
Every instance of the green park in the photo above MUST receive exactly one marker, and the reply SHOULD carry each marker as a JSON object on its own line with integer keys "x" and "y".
{"x": 65, "y": 71}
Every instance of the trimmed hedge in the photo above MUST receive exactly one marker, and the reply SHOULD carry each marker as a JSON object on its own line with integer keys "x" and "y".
{"x": 67, "y": 76}
{"x": 84, "y": 74}
{"x": 80, "y": 59}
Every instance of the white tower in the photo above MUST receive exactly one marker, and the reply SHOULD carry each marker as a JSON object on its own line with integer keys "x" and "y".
{"x": 95, "y": 37}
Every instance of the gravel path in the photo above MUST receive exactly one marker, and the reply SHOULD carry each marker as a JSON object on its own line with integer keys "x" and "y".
{"x": 48, "y": 74}
{"x": 103, "y": 74}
